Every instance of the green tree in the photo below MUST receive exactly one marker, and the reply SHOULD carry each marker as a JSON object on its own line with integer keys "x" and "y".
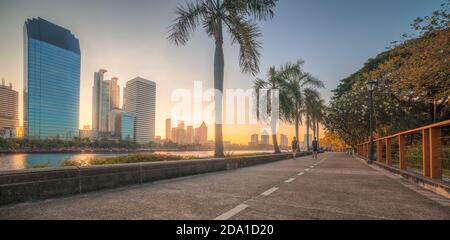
{"x": 238, "y": 17}
{"x": 418, "y": 71}
{"x": 439, "y": 20}
{"x": 413, "y": 85}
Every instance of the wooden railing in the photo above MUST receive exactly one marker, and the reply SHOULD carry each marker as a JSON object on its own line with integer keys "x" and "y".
{"x": 431, "y": 149}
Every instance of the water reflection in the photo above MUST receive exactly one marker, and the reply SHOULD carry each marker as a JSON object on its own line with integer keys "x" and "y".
{"x": 23, "y": 161}
{"x": 16, "y": 161}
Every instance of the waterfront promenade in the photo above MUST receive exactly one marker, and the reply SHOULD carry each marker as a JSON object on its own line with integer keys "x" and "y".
{"x": 336, "y": 186}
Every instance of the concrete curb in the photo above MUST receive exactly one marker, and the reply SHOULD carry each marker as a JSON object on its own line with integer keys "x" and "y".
{"x": 37, "y": 184}
{"x": 436, "y": 186}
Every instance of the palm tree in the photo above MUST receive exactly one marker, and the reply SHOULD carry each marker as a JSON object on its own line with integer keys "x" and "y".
{"x": 238, "y": 17}
{"x": 311, "y": 99}
{"x": 318, "y": 116}
{"x": 272, "y": 83}
{"x": 296, "y": 88}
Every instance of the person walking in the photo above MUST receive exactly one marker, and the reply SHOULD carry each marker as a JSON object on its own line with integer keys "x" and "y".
{"x": 294, "y": 144}
{"x": 315, "y": 145}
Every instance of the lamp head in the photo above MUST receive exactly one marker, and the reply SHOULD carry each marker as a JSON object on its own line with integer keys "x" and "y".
{"x": 372, "y": 84}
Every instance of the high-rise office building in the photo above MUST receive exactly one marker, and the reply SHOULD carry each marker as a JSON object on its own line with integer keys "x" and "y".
{"x": 9, "y": 104}
{"x": 114, "y": 93}
{"x": 139, "y": 99}
{"x": 179, "y": 134}
{"x": 201, "y": 134}
{"x": 105, "y": 98}
{"x": 51, "y": 81}
{"x": 181, "y": 124}
{"x": 114, "y": 121}
{"x": 87, "y": 133}
{"x": 190, "y": 134}
{"x": 265, "y": 138}
{"x": 168, "y": 129}
{"x": 283, "y": 140}
{"x": 100, "y": 103}
{"x": 307, "y": 139}
{"x": 122, "y": 124}
{"x": 254, "y": 140}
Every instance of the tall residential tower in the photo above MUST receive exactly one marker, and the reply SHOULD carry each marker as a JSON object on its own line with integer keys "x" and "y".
{"x": 140, "y": 99}
{"x": 168, "y": 129}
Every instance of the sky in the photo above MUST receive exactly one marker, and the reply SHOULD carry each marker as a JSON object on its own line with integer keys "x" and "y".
{"x": 129, "y": 39}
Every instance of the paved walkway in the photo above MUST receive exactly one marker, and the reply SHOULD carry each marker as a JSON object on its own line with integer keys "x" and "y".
{"x": 333, "y": 187}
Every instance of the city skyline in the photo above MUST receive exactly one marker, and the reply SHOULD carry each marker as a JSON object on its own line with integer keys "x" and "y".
{"x": 158, "y": 59}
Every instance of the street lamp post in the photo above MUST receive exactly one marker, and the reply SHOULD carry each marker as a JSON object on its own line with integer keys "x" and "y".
{"x": 371, "y": 87}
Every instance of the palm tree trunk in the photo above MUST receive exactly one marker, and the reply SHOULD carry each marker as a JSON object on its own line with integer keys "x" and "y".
{"x": 273, "y": 123}
{"x": 276, "y": 148}
{"x": 307, "y": 132}
{"x": 317, "y": 129}
{"x": 296, "y": 126}
{"x": 314, "y": 128}
{"x": 297, "y": 121}
{"x": 219, "y": 65}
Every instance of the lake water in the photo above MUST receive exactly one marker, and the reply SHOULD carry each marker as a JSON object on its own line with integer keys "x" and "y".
{"x": 19, "y": 161}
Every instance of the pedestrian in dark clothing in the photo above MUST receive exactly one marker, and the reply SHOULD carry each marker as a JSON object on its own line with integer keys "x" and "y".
{"x": 294, "y": 144}
{"x": 315, "y": 145}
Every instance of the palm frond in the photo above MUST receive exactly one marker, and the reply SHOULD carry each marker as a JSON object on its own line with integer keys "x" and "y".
{"x": 312, "y": 81}
{"x": 262, "y": 9}
{"x": 246, "y": 34}
{"x": 259, "y": 84}
{"x": 188, "y": 18}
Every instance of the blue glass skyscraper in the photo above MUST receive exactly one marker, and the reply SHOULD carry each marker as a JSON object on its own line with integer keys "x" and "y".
{"x": 127, "y": 126}
{"x": 51, "y": 81}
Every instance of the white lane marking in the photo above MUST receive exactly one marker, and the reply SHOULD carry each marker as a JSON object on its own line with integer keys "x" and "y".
{"x": 306, "y": 169}
{"x": 312, "y": 166}
{"x": 289, "y": 180}
{"x": 270, "y": 191}
{"x": 232, "y": 212}
{"x": 243, "y": 206}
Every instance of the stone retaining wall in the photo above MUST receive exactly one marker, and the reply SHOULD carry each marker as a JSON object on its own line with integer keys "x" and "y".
{"x": 36, "y": 184}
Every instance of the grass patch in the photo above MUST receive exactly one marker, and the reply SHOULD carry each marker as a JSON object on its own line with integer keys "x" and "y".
{"x": 40, "y": 165}
{"x": 145, "y": 157}
{"x": 132, "y": 158}
{"x": 446, "y": 172}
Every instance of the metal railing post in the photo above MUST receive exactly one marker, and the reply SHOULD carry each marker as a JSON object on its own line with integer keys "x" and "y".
{"x": 388, "y": 152}
{"x": 367, "y": 150}
{"x": 426, "y": 152}
{"x": 402, "y": 152}
{"x": 435, "y": 153}
{"x": 379, "y": 151}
